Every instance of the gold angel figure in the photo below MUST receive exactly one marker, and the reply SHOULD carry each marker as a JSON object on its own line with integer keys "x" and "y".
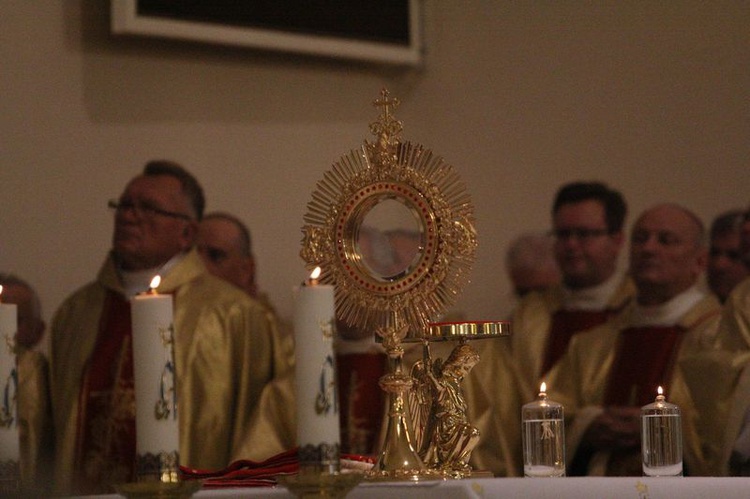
{"x": 443, "y": 434}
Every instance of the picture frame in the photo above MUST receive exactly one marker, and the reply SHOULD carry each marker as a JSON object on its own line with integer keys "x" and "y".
{"x": 366, "y": 30}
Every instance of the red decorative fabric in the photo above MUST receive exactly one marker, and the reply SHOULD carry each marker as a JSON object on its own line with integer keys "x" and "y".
{"x": 565, "y": 324}
{"x": 644, "y": 360}
{"x": 105, "y": 445}
{"x": 361, "y": 400}
{"x": 247, "y": 473}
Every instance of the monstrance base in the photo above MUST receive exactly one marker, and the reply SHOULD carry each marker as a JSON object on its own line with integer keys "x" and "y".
{"x": 320, "y": 484}
{"x": 160, "y": 490}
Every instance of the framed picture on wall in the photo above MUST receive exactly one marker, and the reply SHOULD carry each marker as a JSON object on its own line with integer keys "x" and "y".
{"x": 385, "y": 31}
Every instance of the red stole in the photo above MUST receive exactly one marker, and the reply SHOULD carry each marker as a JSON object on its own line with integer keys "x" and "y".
{"x": 565, "y": 324}
{"x": 105, "y": 442}
{"x": 644, "y": 360}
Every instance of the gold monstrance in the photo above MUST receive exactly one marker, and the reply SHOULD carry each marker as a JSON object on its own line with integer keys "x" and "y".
{"x": 392, "y": 226}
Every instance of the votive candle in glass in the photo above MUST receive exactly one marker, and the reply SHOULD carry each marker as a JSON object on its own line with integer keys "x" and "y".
{"x": 543, "y": 424}
{"x": 661, "y": 438}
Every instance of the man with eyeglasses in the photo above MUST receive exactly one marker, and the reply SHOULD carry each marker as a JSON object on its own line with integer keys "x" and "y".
{"x": 587, "y": 220}
{"x": 227, "y": 346}
{"x": 725, "y": 266}
{"x": 610, "y": 372}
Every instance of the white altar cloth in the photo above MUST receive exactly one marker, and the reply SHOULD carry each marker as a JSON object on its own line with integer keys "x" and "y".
{"x": 538, "y": 488}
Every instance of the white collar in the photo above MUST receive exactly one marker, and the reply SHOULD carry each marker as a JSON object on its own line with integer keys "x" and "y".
{"x": 591, "y": 298}
{"x": 669, "y": 313}
{"x": 138, "y": 281}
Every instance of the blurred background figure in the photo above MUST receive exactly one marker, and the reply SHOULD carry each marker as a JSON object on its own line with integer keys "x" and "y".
{"x": 725, "y": 266}
{"x": 32, "y": 396}
{"x": 225, "y": 245}
{"x": 530, "y": 263}
{"x": 30, "y": 324}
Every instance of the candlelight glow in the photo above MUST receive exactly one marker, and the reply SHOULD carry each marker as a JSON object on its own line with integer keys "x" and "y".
{"x": 1, "y": 292}
{"x": 543, "y": 388}
{"x": 316, "y": 273}
{"x": 155, "y": 282}
{"x": 660, "y": 391}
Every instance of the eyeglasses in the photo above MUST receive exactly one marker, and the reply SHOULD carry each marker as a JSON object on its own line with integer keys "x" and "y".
{"x": 144, "y": 208}
{"x": 579, "y": 233}
{"x": 732, "y": 255}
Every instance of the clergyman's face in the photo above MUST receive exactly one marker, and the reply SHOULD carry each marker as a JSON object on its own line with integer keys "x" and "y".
{"x": 725, "y": 266}
{"x": 584, "y": 248}
{"x": 218, "y": 243}
{"x": 665, "y": 251}
{"x": 151, "y": 225}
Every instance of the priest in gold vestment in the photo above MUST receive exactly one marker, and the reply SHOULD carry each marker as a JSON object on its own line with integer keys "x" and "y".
{"x": 227, "y": 346}
{"x": 587, "y": 220}
{"x": 720, "y": 380}
{"x": 611, "y": 371}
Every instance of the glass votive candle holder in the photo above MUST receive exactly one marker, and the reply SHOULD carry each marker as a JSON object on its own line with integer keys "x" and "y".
{"x": 543, "y": 424}
{"x": 661, "y": 438}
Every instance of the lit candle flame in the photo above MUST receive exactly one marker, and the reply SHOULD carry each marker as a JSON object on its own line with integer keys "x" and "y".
{"x": 313, "y": 279}
{"x": 316, "y": 273}
{"x": 155, "y": 283}
{"x": 543, "y": 388}
{"x": 1, "y": 293}
{"x": 660, "y": 391}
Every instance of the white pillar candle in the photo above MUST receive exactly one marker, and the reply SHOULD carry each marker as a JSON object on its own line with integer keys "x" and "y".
{"x": 9, "y": 449}
{"x": 154, "y": 372}
{"x": 317, "y": 401}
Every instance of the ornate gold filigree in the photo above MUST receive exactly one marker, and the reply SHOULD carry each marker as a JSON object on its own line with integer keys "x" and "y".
{"x": 390, "y": 167}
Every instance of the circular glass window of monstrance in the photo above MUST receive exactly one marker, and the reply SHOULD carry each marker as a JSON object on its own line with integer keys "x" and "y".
{"x": 389, "y": 239}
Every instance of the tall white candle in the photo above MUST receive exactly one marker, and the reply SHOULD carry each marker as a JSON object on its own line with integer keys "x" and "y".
{"x": 9, "y": 449}
{"x": 317, "y": 401}
{"x": 154, "y": 372}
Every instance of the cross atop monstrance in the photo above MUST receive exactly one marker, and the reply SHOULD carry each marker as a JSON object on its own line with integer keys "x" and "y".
{"x": 386, "y": 128}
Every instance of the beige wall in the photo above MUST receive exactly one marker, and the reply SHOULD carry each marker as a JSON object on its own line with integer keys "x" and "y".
{"x": 519, "y": 96}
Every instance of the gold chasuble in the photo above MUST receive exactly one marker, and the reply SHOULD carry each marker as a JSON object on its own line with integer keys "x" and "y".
{"x": 34, "y": 421}
{"x": 619, "y": 365}
{"x": 227, "y": 349}
{"x": 543, "y": 328}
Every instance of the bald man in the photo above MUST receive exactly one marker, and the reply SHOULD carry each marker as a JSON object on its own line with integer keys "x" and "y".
{"x": 611, "y": 371}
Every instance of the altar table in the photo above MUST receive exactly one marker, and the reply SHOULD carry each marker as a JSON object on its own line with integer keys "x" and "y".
{"x": 541, "y": 488}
